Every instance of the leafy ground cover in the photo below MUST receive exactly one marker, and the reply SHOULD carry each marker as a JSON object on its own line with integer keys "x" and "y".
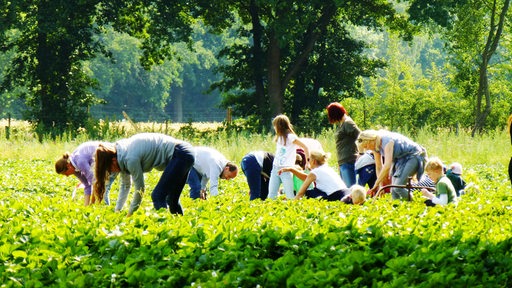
{"x": 50, "y": 241}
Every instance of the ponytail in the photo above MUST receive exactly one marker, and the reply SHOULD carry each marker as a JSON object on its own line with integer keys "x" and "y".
{"x": 319, "y": 156}
{"x": 102, "y": 163}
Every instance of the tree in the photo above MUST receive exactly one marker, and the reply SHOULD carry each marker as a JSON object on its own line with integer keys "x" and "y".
{"x": 283, "y": 40}
{"x": 125, "y": 85}
{"x": 474, "y": 29}
{"x": 50, "y": 39}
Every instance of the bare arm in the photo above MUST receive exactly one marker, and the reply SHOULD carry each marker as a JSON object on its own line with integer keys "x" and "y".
{"x": 383, "y": 170}
{"x": 309, "y": 179}
{"x": 301, "y": 175}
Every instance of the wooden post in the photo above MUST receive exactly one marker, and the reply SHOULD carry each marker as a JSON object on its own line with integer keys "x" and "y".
{"x": 228, "y": 116}
{"x": 8, "y": 127}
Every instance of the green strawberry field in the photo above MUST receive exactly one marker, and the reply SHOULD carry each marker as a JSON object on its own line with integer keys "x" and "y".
{"x": 49, "y": 240}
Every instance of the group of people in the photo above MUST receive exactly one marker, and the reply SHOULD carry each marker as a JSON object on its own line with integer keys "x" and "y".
{"x": 372, "y": 158}
{"x": 97, "y": 164}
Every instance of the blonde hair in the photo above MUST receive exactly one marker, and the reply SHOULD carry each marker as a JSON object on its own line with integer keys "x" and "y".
{"x": 102, "y": 163}
{"x": 434, "y": 164}
{"x": 365, "y": 136}
{"x": 283, "y": 127}
{"x": 358, "y": 194}
{"x": 368, "y": 135}
{"x": 319, "y": 156}
{"x": 62, "y": 164}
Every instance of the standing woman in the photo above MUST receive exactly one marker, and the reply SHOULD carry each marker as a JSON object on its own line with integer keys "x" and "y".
{"x": 346, "y": 135}
{"x": 141, "y": 153}
{"x": 510, "y": 132}
{"x": 287, "y": 143}
{"x": 403, "y": 158}
{"x": 79, "y": 163}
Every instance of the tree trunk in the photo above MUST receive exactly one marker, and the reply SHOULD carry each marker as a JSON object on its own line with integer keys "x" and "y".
{"x": 495, "y": 32}
{"x": 257, "y": 63}
{"x": 274, "y": 79}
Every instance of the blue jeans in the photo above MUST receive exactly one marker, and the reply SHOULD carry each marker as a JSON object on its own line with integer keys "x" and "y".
{"x": 194, "y": 181}
{"x": 403, "y": 169}
{"x": 348, "y": 173}
{"x": 168, "y": 189}
{"x": 258, "y": 185}
{"x": 315, "y": 193}
{"x": 111, "y": 180}
{"x": 367, "y": 175}
{"x": 275, "y": 181}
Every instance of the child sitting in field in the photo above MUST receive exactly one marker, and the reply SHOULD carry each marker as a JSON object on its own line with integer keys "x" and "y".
{"x": 455, "y": 176}
{"x": 445, "y": 192}
{"x": 300, "y": 164}
{"x": 328, "y": 184}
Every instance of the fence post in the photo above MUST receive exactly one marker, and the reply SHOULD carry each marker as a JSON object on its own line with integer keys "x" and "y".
{"x": 228, "y": 116}
{"x": 8, "y": 127}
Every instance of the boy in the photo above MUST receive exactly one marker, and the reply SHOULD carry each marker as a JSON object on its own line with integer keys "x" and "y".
{"x": 445, "y": 192}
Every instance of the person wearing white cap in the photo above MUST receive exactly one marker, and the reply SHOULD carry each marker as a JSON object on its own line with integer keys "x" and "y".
{"x": 455, "y": 176}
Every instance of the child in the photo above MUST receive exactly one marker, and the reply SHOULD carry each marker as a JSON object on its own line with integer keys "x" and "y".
{"x": 287, "y": 143}
{"x": 445, "y": 192}
{"x": 81, "y": 164}
{"x": 356, "y": 195}
{"x": 300, "y": 164}
{"x": 365, "y": 169}
{"x": 329, "y": 185}
{"x": 455, "y": 176}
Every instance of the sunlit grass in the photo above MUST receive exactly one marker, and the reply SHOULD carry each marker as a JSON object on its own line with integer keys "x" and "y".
{"x": 51, "y": 240}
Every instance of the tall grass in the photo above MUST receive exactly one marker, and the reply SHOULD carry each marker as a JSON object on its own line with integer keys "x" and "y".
{"x": 490, "y": 148}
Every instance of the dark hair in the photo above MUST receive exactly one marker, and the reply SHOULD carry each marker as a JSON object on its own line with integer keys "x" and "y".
{"x": 62, "y": 164}
{"x": 300, "y": 152}
{"x": 232, "y": 166}
{"x": 335, "y": 112}
{"x": 102, "y": 163}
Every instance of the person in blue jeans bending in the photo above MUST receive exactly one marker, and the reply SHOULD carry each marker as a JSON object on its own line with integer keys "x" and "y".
{"x": 134, "y": 156}
{"x": 211, "y": 166}
{"x": 257, "y": 166}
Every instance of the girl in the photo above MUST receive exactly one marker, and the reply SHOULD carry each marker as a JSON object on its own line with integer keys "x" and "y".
{"x": 79, "y": 163}
{"x": 287, "y": 144}
{"x": 329, "y": 185}
{"x": 141, "y": 153}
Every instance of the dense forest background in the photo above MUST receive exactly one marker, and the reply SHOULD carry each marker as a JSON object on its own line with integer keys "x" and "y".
{"x": 396, "y": 64}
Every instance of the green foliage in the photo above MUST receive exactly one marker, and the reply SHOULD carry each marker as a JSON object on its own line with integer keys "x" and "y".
{"x": 476, "y": 38}
{"x": 54, "y": 38}
{"x": 286, "y": 63}
{"x": 49, "y": 240}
